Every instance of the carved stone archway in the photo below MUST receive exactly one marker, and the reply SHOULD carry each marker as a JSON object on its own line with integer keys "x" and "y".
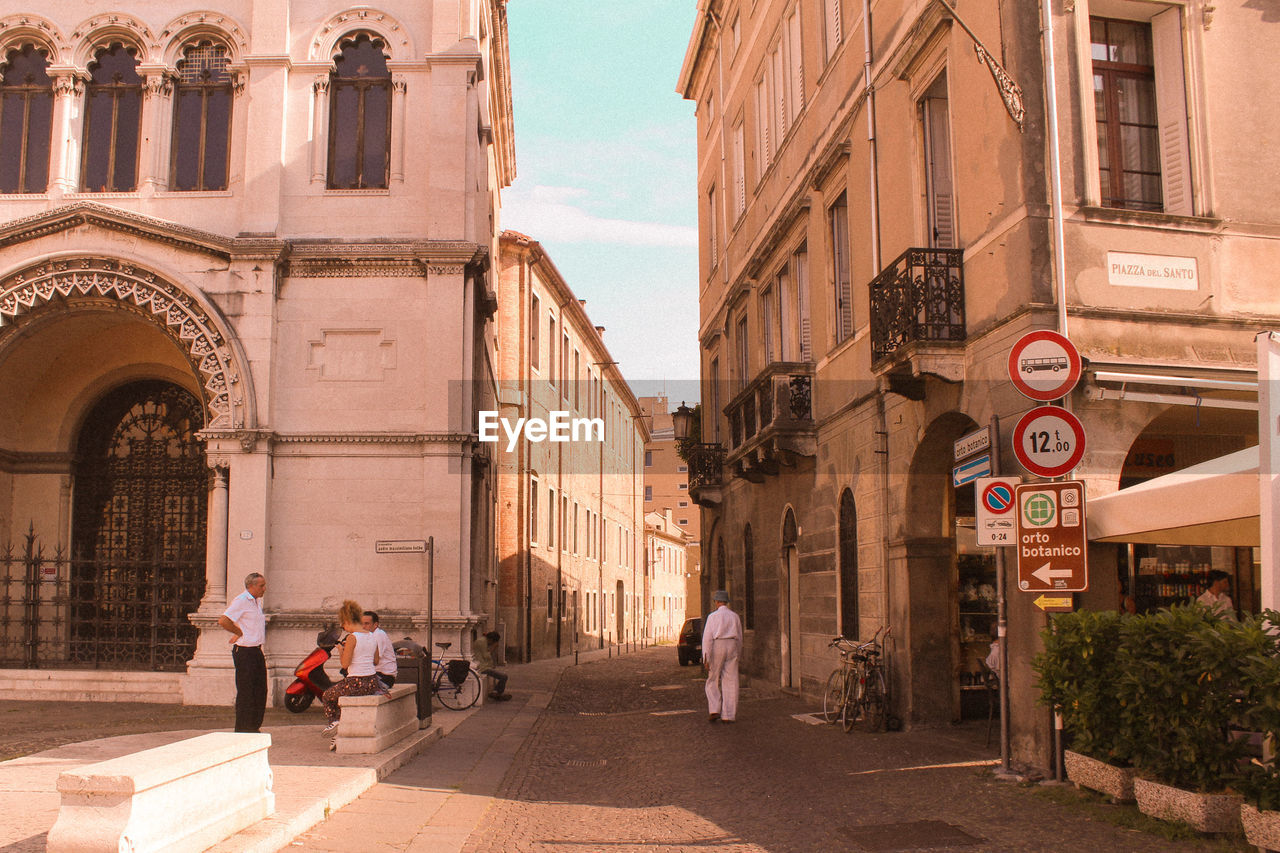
{"x": 177, "y": 312}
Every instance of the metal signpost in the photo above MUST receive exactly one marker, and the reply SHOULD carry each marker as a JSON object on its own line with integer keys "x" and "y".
{"x": 1052, "y": 550}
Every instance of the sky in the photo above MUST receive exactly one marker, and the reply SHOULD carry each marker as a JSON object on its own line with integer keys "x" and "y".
{"x": 606, "y": 173}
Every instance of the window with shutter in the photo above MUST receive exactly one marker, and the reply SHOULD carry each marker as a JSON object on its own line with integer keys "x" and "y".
{"x": 1129, "y": 132}
{"x": 838, "y": 222}
{"x": 1171, "y": 112}
{"x": 939, "y": 202}
{"x": 766, "y": 324}
{"x": 739, "y": 169}
{"x": 762, "y": 127}
{"x": 795, "y": 57}
{"x": 832, "y": 33}
{"x": 800, "y": 272}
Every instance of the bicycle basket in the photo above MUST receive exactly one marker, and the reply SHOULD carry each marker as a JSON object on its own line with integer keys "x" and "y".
{"x": 457, "y": 671}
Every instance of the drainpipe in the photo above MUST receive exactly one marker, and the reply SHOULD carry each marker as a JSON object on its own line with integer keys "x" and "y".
{"x": 869, "y": 84}
{"x": 1055, "y": 167}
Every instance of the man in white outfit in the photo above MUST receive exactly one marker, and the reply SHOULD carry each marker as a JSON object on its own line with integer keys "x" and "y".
{"x": 721, "y": 647}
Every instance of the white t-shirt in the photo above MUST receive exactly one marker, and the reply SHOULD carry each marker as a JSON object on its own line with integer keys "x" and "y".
{"x": 246, "y": 611}
{"x": 362, "y": 656}
{"x": 386, "y": 653}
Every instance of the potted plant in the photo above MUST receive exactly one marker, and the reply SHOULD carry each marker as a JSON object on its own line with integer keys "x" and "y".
{"x": 1260, "y": 783}
{"x": 1181, "y": 682}
{"x": 1078, "y": 672}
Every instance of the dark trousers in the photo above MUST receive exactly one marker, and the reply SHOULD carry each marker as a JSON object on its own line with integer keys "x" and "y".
{"x": 251, "y": 687}
{"x": 500, "y": 680}
{"x": 388, "y": 681}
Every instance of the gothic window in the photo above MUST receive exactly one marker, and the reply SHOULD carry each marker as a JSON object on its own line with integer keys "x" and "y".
{"x": 113, "y": 121}
{"x": 201, "y": 118}
{"x": 26, "y": 121}
{"x": 360, "y": 116}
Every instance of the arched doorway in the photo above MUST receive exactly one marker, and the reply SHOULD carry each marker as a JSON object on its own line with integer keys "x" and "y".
{"x": 138, "y": 528}
{"x": 848, "y": 536}
{"x": 789, "y": 617}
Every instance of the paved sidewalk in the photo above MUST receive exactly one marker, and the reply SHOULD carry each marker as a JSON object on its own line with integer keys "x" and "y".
{"x": 310, "y": 782}
{"x": 434, "y": 803}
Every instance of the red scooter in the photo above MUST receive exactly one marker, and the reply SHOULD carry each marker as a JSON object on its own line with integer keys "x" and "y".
{"x": 312, "y": 680}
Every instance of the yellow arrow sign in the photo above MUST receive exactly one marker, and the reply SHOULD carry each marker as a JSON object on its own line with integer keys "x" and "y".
{"x": 1054, "y": 602}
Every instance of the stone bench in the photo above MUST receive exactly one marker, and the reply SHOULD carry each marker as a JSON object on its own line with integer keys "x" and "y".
{"x": 187, "y": 795}
{"x": 373, "y": 723}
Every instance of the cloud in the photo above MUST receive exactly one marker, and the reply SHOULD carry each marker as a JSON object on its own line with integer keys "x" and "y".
{"x": 548, "y": 213}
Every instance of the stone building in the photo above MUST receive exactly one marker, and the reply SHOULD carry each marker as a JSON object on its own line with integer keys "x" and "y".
{"x": 570, "y": 514}
{"x": 666, "y": 486}
{"x": 667, "y": 551}
{"x": 877, "y": 222}
{"x": 245, "y": 325}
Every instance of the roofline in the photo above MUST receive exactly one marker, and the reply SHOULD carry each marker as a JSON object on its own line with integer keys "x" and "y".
{"x": 693, "y": 50}
{"x": 568, "y": 300}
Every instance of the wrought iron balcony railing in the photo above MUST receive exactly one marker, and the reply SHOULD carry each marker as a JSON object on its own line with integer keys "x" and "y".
{"x": 918, "y": 297}
{"x": 706, "y": 472}
{"x": 773, "y": 415}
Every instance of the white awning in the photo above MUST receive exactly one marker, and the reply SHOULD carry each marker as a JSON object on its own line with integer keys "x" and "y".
{"x": 1213, "y": 503}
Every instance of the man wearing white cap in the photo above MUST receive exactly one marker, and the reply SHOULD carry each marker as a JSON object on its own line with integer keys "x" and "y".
{"x": 721, "y": 646}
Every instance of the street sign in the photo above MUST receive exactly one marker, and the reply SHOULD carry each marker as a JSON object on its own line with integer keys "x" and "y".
{"x": 400, "y": 546}
{"x": 1048, "y": 441}
{"x": 1052, "y": 551}
{"x": 974, "y": 442}
{"x": 1056, "y": 603}
{"x": 971, "y": 469}
{"x": 995, "y": 519}
{"x": 1044, "y": 365}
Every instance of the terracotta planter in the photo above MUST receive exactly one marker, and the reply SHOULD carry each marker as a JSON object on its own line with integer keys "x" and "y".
{"x": 1086, "y": 772}
{"x": 1261, "y": 828}
{"x": 1203, "y": 812}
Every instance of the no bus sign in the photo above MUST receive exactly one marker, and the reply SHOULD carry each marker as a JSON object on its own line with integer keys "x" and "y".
{"x": 1044, "y": 365}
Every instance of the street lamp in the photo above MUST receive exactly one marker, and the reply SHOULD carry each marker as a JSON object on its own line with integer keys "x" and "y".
{"x": 682, "y": 422}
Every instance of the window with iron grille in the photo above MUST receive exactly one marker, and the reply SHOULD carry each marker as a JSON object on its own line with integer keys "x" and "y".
{"x": 201, "y": 119}
{"x": 360, "y": 116}
{"x": 26, "y": 120}
{"x": 112, "y": 121}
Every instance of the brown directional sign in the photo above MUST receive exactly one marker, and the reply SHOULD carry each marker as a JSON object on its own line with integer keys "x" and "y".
{"x": 1051, "y": 537}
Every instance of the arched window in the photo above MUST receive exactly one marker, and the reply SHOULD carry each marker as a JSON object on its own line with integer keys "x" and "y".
{"x": 360, "y": 116}
{"x": 26, "y": 121}
{"x": 748, "y": 580}
{"x": 848, "y": 535}
{"x": 201, "y": 118}
{"x": 113, "y": 121}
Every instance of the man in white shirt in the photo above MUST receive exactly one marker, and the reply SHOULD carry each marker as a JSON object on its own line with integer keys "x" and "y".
{"x": 386, "y": 667}
{"x": 721, "y": 647}
{"x": 1216, "y": 597}
{"x": 248, "y": 627}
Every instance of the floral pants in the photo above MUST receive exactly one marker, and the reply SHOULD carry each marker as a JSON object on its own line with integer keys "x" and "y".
{"x": 352, "y": 685}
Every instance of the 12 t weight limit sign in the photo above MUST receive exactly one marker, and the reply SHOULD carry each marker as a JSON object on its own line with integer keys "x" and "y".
{"x": 1048, "y": 441}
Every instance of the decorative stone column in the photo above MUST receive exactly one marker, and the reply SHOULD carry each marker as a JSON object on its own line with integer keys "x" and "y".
{"x": 215, "y": 564}
{"x": 157, "y": 127}
{"x": 399, "y": 118}
{"x": 68, "y": 124}
{"x": 320, "y": 129}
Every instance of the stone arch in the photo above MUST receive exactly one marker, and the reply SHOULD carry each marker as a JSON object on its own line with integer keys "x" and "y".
{"x": 394, "y": 35}
{"x": 190, "y": 321}
{"x": 114, "y": 26}
{"x": 16, "y": 30}
{"x": 200, "y": 25}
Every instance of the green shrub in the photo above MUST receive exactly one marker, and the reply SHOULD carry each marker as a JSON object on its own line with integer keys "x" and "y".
{"x": 1078, "y": 674}
{"x": 1183, "y": 677}
{"x": 1261, "y": 685}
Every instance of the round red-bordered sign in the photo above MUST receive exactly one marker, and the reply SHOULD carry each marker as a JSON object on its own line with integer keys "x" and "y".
{"x": 1048, "y": 441}
{"x": 1044, "y": 365}
{"x": 998, "y": 498}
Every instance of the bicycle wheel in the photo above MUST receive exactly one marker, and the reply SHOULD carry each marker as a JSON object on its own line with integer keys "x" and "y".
{"x": 456, "y": 697}
{"x": 874, "y": 701}
{"x": 833, "y": 696}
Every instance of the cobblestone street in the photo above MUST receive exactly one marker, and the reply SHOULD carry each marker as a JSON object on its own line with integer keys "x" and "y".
{"x": 623, "y": 759}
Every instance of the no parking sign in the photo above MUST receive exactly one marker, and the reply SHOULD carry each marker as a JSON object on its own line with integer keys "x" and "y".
{"x": 996, "y": 517}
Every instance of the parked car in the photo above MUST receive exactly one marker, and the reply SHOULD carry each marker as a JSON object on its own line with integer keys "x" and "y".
{"x": 689, "y": 646}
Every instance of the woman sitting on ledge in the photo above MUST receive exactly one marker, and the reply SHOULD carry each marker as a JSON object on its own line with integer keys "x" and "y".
{"x": 359, "y": 657}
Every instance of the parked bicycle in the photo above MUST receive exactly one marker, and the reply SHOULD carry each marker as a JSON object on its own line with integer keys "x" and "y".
{"x": 857, "y": 691}
{"x": 454, "y": 681}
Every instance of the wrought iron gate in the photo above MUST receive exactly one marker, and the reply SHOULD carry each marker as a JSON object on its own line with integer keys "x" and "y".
{"x": 122, "y": 598}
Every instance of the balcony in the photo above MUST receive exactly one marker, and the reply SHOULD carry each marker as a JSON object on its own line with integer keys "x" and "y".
{"x": 706, "y": 473}
{"x": 771, "y": 421}
{"x": 917, "y": 312}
